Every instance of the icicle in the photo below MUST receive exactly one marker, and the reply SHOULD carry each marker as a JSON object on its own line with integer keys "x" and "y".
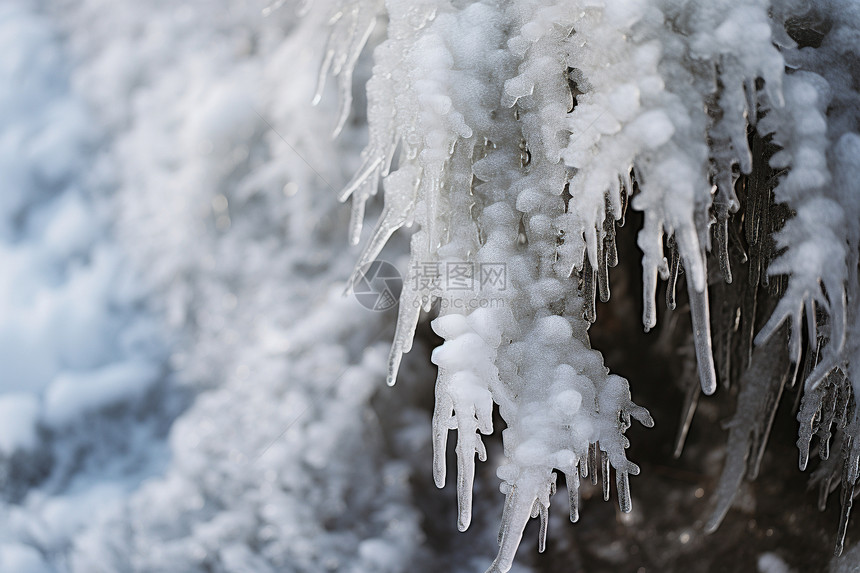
{"x": 827, "y": 412}
{"x": 356, "y": 222}
{"x": 622, "y": 483}
{"x": 603, "y": 271}
{"x": 748, "y": 312}
{"x": 544, "y": 519}
{"x": 463, "y": 403}
{"x": 810, "y": 405}
{"x": 674, "y": 269}
{"x": 605, "y": 243}
{"x": 650, "y": 240}
{"x": 702, "y": 337}
{"x": 344, "y": 73}
{"x": 400, "y": 189}
{"x": 443, "y": 422}
{"x": 572, "y": 481}
{"x": 368, "y": 172}
{"x": 466, "y": 449}
{"x": 626, "y": 191}
{"x": 592, "y": 463}
{"x": 721, "y": 232}
{"x": 847, "y": 499}
{"x": 726, "y": 322}
{"x": 589, "y": 310}
{"x": 760, "y": 383}
{"x": 604, "y": 469}
{"x": 520, "y": 502}
{"x": 691, "y": 401}
{"x": 611, "y": 250}
{"x": 407, "y": 321}
{"x": 394, "y": 358}
{"x": 766, "y": 417}
{"x": 350, "y": 29}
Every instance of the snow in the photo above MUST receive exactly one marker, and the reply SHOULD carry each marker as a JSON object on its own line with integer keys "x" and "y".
{"x": 183, "y": 386}
{"x": 19, "y": 418}
{"x": 67, "y": 313}
{"x": 22, "y": 558}
{"x": 71, "y": 395}
{"x": 156, "y": 411}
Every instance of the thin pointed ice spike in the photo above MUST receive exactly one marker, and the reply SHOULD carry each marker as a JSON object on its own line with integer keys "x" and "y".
{"x": 344, "y": 72}
{"x": 517, "y": 513}
{"x": 622, "y": 482}
{"x": 407, "y": 321}
{"x": 344, "y": 105}
{"x": 356, "y": 221}
{"x": 441, "y": 424}
{"x": 811, "y": 323}
{"x": 544, "y": 519}
{"x": 572, "y": 481}
{"x": 612, "y": 250}
{"x": 847, "y": 502}
{"x": 604, "y": 469}
{"x": 691, "y": 401}
{"x": 603, "y": 271}
{"x": 589, "y": 293}
{"x": 535, "y": 509}
{"x": 674, "y": 269}
{"x": 730, "y": 481}
{"x": 769, "y": 414}
{"x": 761, "y": 384}
{"x": 465, "y": 480}
{"x": 323, "y": 74}
{"x": 625, "y": 192}
{"x": 650, "y": 240}
{"x": 506, "y": 510}
{"x": 388, "y": 223}
{"x": 394, "y": 358}
{"x": 721, "y": 230}
{"x": 803, "y": 459}
{"x": 700, "y": 317}
{"x": 592, "y": 463}
{"x": 367, "y": 174}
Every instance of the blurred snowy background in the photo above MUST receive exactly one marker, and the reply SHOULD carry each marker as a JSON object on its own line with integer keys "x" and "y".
{"x": 183, "y": 386}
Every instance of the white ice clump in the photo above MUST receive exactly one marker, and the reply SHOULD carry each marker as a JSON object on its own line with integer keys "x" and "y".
{"x": 446, "y": 101}
{"x": 814, "y": 240}
{"x": 524, "y": 129}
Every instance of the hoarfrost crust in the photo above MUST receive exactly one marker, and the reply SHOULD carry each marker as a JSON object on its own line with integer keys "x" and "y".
{"x": 521, "y": 131}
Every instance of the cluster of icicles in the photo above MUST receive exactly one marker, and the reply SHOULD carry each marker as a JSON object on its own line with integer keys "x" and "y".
{"x": 517, "y": 132}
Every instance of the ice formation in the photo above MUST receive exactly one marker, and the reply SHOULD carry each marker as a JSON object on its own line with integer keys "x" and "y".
{"x": 517, "y": 132}
{"x": 166, "y": 216}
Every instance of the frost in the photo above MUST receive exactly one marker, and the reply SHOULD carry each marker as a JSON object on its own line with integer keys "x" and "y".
{"x": 523, "y": 141}
{"x": 183, "y": 386}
